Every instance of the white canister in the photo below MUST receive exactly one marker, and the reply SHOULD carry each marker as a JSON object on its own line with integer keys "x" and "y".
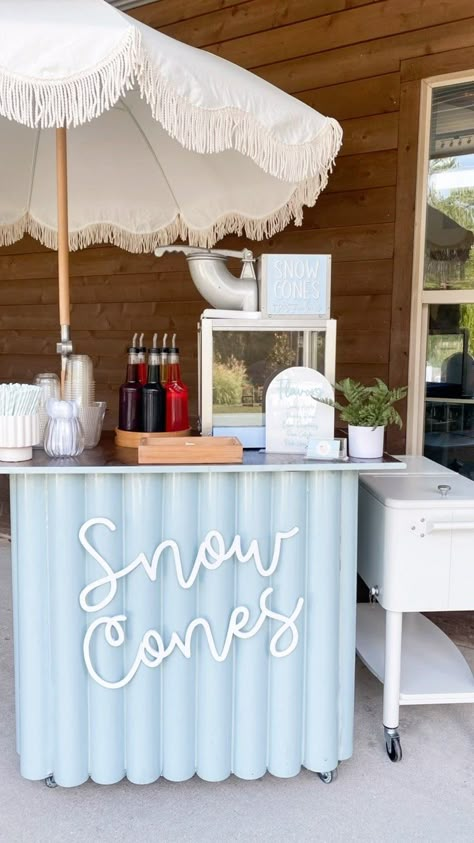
{"x": 18, "y": 434}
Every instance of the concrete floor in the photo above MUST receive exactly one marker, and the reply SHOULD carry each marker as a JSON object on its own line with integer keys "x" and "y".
{"x": 428, "y": 797}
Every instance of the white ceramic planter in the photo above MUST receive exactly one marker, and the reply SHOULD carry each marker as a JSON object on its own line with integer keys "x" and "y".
{"x": 17, "y": 436}
{"x": 366, "y": 442}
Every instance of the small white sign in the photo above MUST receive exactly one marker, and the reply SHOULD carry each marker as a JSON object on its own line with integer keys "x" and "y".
{"x": 293, "y": 415}
{"x": 323, "y": 449}
{"x": 327, "y": 449}
{"x": 296, "y": 285}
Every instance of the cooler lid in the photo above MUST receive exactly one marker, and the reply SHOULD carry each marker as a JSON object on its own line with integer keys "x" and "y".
{"x": 422, "y": 465}
{"x": 405, "y": 491}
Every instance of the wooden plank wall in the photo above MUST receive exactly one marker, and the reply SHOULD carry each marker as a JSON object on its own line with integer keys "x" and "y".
{"x": 113, "y": 294}
{"x": 344, "y": 57}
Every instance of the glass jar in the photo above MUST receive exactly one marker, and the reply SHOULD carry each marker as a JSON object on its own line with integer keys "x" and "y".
{"x": 64, "y": 434}
{"x": 50, "y": 388}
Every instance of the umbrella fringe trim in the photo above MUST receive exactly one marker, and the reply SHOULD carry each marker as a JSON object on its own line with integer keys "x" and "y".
{"x": 207, "y": 131}
{"x": 76, "y": 100}
{"x": 232, "y": 223}
{"x": 80, "y": 99}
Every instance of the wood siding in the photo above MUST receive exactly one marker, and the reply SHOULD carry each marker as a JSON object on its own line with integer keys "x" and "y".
{"x": 360, "y": 61}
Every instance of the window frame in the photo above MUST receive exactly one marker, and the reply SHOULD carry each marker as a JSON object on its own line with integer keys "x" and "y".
{"x": 421, "y": 298}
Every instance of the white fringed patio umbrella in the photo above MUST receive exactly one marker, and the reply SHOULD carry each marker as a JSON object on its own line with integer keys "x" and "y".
{"x": 164, "y": 141}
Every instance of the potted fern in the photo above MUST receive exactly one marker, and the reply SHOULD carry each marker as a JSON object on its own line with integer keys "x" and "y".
{"x": 367, "y": 410}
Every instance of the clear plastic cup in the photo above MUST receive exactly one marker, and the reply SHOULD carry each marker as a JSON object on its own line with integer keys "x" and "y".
{"x": 84, "y": 394}
{"x": 80, "y": 363}
{"x": 79, "y": 380}
{"x": 92, "y": 419}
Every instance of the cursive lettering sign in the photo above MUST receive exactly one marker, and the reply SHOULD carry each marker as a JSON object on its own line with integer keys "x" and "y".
{"x": 152, "y": 650}
{"x": 211, "y": 554}
{"x": 293, "y": 416}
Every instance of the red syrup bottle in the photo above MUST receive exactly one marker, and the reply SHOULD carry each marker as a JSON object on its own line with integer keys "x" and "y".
{"x": 177, "y": 411}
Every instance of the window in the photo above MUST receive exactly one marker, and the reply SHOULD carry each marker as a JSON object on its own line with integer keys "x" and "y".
{"x": 449, "y": 238}
{"x": 441, "y": 415}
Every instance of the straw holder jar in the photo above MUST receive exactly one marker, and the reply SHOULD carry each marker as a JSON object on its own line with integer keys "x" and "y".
{"x": 19, "y": 421}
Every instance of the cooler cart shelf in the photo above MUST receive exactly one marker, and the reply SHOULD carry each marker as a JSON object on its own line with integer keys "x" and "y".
{"x": 433, "y": 670}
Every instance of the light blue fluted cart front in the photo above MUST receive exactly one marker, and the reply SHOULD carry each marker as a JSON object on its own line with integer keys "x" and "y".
{"x": 173, "y": 621}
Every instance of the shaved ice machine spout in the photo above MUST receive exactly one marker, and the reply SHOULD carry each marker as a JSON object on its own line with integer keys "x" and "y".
{"x": 216, "y": 284}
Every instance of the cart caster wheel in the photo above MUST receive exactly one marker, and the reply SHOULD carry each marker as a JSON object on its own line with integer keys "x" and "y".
{"x": 393, "y": 747}
{"x": 329, "y": 777}
{"x": 50, "y": 781}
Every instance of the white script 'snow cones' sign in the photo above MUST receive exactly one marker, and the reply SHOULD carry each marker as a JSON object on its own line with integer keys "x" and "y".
{"x": 293, "y": 413}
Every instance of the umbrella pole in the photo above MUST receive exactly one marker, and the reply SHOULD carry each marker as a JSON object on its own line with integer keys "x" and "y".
{"x": 64, "y": 348}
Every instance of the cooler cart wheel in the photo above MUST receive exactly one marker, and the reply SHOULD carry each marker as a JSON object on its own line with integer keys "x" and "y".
{"x": 393, "y": 745}
{"x": 50, "y": 781}
{"x": 329, "y": 777}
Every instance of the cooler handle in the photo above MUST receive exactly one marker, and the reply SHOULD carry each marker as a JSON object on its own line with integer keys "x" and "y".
{"x": 440, "y": 526}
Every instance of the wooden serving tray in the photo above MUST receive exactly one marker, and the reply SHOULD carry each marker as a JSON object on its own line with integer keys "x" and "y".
{"x": 132, "y": 439}
{"x": 194, "y": 450}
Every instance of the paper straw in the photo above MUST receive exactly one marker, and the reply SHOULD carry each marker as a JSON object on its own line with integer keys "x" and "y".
{"x": 19, "y": 399}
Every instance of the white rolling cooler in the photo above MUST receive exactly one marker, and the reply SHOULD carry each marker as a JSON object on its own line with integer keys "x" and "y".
{"x": 416, "y": 554}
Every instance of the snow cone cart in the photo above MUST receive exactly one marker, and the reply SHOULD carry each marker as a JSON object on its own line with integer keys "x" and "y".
{"x": 195, "y": 618}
